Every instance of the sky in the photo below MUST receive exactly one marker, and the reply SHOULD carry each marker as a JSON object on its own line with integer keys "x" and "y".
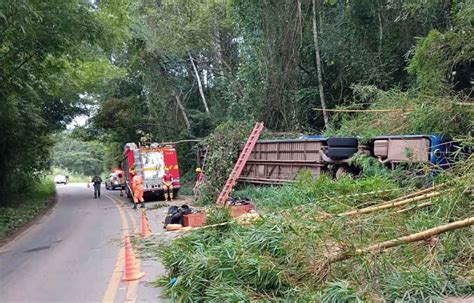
{"x": 77, "y": 122}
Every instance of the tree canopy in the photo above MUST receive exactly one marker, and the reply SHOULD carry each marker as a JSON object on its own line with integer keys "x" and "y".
{"x": 52, "y": 55}
{"x": 175, "y": 69}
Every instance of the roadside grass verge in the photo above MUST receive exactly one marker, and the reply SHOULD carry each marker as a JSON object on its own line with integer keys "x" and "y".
{"x": 25, "y": 206}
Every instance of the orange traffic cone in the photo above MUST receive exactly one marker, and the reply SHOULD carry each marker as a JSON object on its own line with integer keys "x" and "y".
{"x": 132, "y": 270}
{"x": 146, "y": 230}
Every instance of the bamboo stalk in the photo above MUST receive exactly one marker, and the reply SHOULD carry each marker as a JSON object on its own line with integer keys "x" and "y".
{"x": 390, "y": 205}
{"x": 375, "y": 208}
{"x": 379, "y": 247}
{"x": 337, "y": 197}
{"x": 363, "y": 110}
{"x": 418, "y": 193}
{"x": 415, "y": 207}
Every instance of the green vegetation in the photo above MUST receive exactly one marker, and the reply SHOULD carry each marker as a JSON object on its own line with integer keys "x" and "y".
{"x": 282, "y": 256}
{"x": 192, "y": 66}
{"x": 412, "y": 113}
{"x": 81, "y": 158}
{"x": 55, "y": 56}
{"x": 23, "y": 207}
{"x": 224, "y": 146}
{"x": 176, "y": 69}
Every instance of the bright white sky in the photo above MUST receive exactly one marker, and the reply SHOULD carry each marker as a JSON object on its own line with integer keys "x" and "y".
{"x": 78, "y": 121}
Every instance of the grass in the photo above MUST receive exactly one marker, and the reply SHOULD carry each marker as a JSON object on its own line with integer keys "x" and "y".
{"x": 282, "y": 257}
{"x": 24, "y": 207}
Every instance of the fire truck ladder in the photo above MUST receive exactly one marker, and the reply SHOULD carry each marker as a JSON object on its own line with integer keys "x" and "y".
{"x": 239, "y": 166}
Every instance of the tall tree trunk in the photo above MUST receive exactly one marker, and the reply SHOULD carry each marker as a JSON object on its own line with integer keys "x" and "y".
{"x": 380, "y": 33}
{"x": 198, "y": 78}
{"x": 318, "y": 67}
{"x": 217, "y": 42}
{"x": 183, "y": 111}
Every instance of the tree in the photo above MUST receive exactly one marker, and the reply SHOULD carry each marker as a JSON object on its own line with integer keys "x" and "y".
{"x": 51, "y": 53}
{"x": 318, "y": 65}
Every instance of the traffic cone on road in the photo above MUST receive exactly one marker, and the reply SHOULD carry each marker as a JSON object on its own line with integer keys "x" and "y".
{"x": 146, "y": 230}
{"x": 132, "y": 269}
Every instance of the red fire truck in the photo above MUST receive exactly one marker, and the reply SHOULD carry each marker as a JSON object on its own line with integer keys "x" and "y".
{"x": 150, "y": 162}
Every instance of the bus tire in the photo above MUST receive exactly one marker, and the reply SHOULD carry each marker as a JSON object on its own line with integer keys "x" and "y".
{"x": 339, "y": 153}
{"x": 343, "y": 142}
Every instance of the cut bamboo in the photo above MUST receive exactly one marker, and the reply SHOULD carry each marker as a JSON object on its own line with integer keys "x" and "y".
{"x": 418, "y": 193}
{"x": 302, "y": 206}
{"x": 379, "y": 247}
{"x": 382, "y": 206}
{"x": 415, "y": 207}
{"x": 403, "y": 198}
{"x": 363, "y": 110}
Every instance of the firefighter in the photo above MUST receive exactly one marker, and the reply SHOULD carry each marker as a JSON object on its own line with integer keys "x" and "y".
{"x": 200, "y": 178}
{"x": 138, "y": 191}
{"x": 168, "y": 185}
{"x": 97, "y": 180}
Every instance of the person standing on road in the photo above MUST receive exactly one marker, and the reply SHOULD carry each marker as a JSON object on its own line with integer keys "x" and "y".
{"x": 168, "y": 185}
{"x": 97, "y": 180}
{"x": 200, "y": 178}
{"x": 138, "y": 191}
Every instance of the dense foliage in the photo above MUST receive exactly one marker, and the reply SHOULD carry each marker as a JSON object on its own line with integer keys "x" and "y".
{"x": 53, "y": 58}
{"x": 194, "y": 65}
{"x": 84, "y": 158}
{"x": 26, "y": 206}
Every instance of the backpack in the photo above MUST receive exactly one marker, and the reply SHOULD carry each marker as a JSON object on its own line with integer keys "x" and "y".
{"x": 172, "y": 211}
{"x": 176, "y": 215}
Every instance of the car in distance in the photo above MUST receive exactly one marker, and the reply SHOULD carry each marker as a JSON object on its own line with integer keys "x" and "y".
{"x": 115, "y": 180}
{"x": 58, "y": 179}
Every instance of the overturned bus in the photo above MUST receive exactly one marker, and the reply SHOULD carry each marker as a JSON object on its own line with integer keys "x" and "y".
{"x": 279, "y": 161}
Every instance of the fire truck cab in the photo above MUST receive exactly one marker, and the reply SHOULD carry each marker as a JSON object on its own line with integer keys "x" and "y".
{"x": 150, "y": 162}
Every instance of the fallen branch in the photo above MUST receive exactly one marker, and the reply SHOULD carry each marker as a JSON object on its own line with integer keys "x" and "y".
{"x": 379, "y": 247}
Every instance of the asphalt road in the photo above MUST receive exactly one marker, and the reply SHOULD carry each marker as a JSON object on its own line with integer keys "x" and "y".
{"x": 75, "y": 253}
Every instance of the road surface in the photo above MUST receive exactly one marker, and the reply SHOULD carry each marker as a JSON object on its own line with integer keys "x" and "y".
{"x": 75, "y": 253}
